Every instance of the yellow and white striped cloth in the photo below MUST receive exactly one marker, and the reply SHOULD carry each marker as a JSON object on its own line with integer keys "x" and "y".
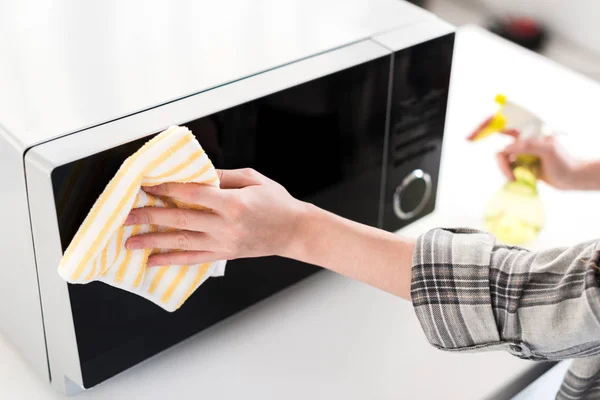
{"x": 98, "y": 253}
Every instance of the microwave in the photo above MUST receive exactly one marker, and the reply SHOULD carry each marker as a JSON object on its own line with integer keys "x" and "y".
{"x": 361, "y": 94}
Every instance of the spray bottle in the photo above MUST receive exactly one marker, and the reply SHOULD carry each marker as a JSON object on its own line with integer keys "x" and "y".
{"x": 515, "y": 214}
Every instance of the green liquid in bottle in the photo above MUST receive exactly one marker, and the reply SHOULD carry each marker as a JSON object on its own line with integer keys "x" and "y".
{"x": 515, "y": 214}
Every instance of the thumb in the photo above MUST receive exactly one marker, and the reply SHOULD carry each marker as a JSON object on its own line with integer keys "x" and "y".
{"x": 238, "y": 178}
{"x": 509, "y": 154}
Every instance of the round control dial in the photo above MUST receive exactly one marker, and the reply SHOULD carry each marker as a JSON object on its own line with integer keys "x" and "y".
{"x": 412, "y": 194}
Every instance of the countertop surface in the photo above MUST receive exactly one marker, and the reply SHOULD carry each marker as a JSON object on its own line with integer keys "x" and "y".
{"x": 329, "y": 337}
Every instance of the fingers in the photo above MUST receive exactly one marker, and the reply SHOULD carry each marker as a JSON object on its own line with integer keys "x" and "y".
{"x": 476, "y": 132}
{"x": 506, "y": 157}
{"x": 193, "y": 193}
{"x": 239, "y": 178}
{"x": 512, "y": 133}
{"x": 509, "y": 132}
{"x": 517, "y": 147}
{"x": 539, "y": 146}
{"x": 173, "y": 217}
{"x": 504, "y": 163}
{"x": 180, "y": 240}
{"x": 183, "y": 258}
{"x": 543, "y": 147}
{"x": 205, "y": 195}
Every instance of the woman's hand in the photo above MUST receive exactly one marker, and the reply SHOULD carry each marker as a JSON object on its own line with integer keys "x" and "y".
{"x": 559, "y": 169}
{"x": 251, "y": 216}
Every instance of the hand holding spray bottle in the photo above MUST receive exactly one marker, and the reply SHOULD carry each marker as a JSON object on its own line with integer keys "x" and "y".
{"x": 515, "y": 214}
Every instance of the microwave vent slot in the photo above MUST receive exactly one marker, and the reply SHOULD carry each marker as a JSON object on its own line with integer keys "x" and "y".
{"x": 401, "y": 158}
{"x": 409, "y": 139}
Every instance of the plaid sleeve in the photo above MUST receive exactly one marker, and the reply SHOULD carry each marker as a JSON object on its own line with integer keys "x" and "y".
{"x": 470, "y": 293}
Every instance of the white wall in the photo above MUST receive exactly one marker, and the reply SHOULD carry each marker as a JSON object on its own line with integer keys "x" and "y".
{"x": 577, "y": 20}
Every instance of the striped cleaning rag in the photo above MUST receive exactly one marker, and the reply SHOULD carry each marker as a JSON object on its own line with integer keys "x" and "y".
{"x": 98, "y": 253}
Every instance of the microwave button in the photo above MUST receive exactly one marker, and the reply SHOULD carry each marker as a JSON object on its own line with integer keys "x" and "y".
{"x": 415, "y": 188}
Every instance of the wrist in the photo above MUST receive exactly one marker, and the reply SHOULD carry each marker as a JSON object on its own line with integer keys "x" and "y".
{"x": 306, "y": 219}
{"x": 361, "y": 252}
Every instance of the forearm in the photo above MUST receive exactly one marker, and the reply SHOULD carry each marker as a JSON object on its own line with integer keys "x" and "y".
{"x": 470, "y": 293}
{"x": 376, "y": 257}
{"x": 587, "y": 176}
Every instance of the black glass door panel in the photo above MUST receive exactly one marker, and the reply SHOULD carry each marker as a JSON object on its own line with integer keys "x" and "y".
{"x": 421, "y": 78}
{"x": 322, "y": 140}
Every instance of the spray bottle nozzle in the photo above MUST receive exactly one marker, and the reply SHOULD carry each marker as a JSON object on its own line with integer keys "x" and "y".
{"x": 501, "y": 99}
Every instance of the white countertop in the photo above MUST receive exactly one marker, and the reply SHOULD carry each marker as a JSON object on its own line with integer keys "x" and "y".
{"x": 329, "y": 337}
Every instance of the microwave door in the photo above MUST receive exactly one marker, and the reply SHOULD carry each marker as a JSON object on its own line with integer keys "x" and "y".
{"x": 317, "y": 127}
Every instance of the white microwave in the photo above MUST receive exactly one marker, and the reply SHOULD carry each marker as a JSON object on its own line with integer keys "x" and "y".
{"x": 359, "y": 86}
